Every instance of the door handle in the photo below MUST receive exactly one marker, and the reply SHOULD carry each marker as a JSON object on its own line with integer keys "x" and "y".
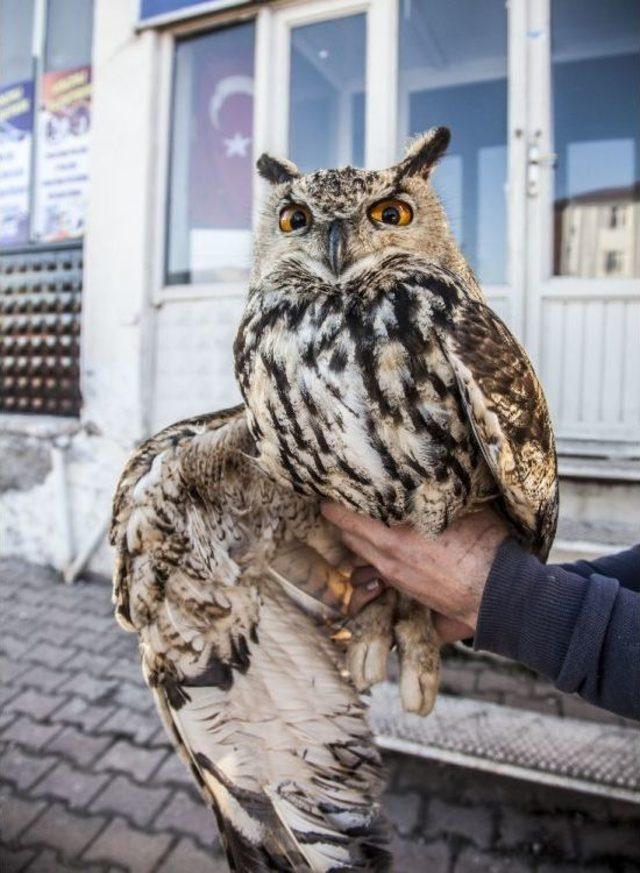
{"x": 537, "y": 160}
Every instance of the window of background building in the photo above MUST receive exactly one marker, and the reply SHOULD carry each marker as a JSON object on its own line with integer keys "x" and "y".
{"x": 327, "y": 93}
{"x": 211, "y": 166}
{"x": 453, "y": 71}
{"x": 45, "y": 120}
{"x": 596, "y": 110}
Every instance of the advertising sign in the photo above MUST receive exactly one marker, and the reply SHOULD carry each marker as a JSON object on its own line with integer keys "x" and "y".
{"x": 16, "y": 137}
{"x": 64, "y": 123}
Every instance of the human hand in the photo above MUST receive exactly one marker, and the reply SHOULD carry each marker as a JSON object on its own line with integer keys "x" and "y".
{"x": 447, "y": 574}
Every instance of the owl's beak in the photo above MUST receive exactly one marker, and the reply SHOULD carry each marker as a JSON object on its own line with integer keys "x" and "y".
{"x": 335, "y": 246}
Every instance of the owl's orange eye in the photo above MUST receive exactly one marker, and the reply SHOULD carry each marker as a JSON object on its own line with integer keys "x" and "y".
{"x": 393, "y": 212}
{"x": 294, "y": 217}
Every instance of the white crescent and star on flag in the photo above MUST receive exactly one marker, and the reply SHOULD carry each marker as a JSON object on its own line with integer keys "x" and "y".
{"x": 238, "y": 144}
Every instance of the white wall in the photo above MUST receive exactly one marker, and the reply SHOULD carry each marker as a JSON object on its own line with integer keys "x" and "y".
{"x": 57, "y": 518}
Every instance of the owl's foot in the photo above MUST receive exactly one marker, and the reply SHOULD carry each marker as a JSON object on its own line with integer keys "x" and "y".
{"x": 372, "y": 636}
{"x": 419, "y": 652}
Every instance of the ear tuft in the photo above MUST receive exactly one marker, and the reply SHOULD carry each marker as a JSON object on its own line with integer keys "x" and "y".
{"x": 424, "y": 152}
{"x": 275, "y": 170}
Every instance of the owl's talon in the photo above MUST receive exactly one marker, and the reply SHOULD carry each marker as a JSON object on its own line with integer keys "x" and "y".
{"x": 367, "y": 662}
{"x": 419, "y": 653}
{"x": 418, "y": 689}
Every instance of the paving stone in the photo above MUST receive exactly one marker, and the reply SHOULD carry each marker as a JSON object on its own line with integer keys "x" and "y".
{"x": 622, "y": 842}
{"x": 188, "y": 857}
{"x": 77, "y": 711}
{"x": 173, "y": 771}
{"x": 492, "y": 679}
{"x": 66, "y": 831}
{"x": 81, "y": 747}
{"x": 50, "y": 656}
{"x": 403, "y": 811}
{"x": 137, "y": 804}
{"x": 92, "y": 642}
{"x": 134, "y": 760}
{"x": 185, "y": 815}
{"x": 458, "y": 680}
{"x": 43, "y": 678}
{"x": 8, "y": 693}
{"x": 90, "y": 688}
{"x": 537, "y": 834}
{"x": 121, "y": 844}
{"x": 91, "y": 663}
{"x": 36, "y": 703}
{"x": 11, "y": 669}
{"x": 47, "y": 861}
{"x": 55, "y": 634}
{"x": 138, "y": 726}
{"x": 549, "y": 705}
{"x": 126, "y": 668}
{"x": 135, "y": 697}
{"x": 22, "y": 769}
{"x": 14, "y": 860}
{"x": 472, "y": 822}
{"x": 16, "y": 815}
{"x": 15, "y": 647}
{"x": 470, "y": 860}
{"x": 33, "y": 734}
{"x": 7, "y": 718}
{"x": 74, "y": 786}
{"x": 409, "y": 856}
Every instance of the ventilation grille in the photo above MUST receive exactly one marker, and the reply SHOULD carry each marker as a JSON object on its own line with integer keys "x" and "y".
{"x": 40, "y": 305}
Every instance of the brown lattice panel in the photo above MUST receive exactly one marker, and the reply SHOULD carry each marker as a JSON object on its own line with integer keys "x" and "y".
{"x": 40, "y": 305}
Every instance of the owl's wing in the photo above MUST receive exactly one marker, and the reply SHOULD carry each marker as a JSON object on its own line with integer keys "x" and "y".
{"x": 508, "y": 413}
{"x": 248, "y": 686}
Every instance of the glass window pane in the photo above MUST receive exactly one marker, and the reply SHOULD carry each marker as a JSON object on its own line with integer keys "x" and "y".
{"x": 596, "y": 106}
{"x": 210, "y": 188}
{"x": 327, "y": 97}
{"x": 16, "y": 39}
{"x": 16, "y": 119}
{"x": 69, "y": 30}
{"x": 453, "y": 71}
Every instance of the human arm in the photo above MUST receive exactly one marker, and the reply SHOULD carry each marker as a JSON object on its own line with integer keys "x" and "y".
{"x": 582, "y": 633}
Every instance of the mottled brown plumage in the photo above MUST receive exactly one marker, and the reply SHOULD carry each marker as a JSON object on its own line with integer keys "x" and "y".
{"x": 373, "y": 373}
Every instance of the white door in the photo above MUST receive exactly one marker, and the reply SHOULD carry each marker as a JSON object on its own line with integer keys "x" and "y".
{"x": 582, "y": 321}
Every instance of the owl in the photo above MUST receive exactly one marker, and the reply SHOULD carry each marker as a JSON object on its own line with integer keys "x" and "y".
{"x": 373, "y": 374}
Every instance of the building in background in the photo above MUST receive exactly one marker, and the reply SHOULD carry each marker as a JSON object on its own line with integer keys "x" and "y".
{"x": 128, "y": 137}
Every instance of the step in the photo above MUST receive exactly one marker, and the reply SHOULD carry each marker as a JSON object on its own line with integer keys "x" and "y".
{"x": 589, "y": 757}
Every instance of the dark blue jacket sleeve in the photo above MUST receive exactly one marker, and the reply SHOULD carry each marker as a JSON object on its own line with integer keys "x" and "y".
{"x": 624, "y": 566}
{"x": 579, "y": 629}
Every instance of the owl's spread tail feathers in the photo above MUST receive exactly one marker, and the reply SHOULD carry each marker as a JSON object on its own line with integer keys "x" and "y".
{"x": 285, "y": 760}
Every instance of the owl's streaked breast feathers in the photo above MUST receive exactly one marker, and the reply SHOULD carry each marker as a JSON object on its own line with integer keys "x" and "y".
{"x": 373, "y": 373}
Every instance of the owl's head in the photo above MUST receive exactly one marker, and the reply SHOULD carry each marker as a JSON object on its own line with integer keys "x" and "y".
{"x": 330, "y": 220}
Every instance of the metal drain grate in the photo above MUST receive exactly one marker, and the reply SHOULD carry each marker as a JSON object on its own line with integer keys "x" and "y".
{"x": 570, "y": 753}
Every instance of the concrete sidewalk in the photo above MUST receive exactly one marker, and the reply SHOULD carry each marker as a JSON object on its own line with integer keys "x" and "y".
{"x": 89, "y": 781}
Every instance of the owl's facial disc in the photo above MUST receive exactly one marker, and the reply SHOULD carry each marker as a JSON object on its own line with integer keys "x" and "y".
{"x": 331, "y": 221}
